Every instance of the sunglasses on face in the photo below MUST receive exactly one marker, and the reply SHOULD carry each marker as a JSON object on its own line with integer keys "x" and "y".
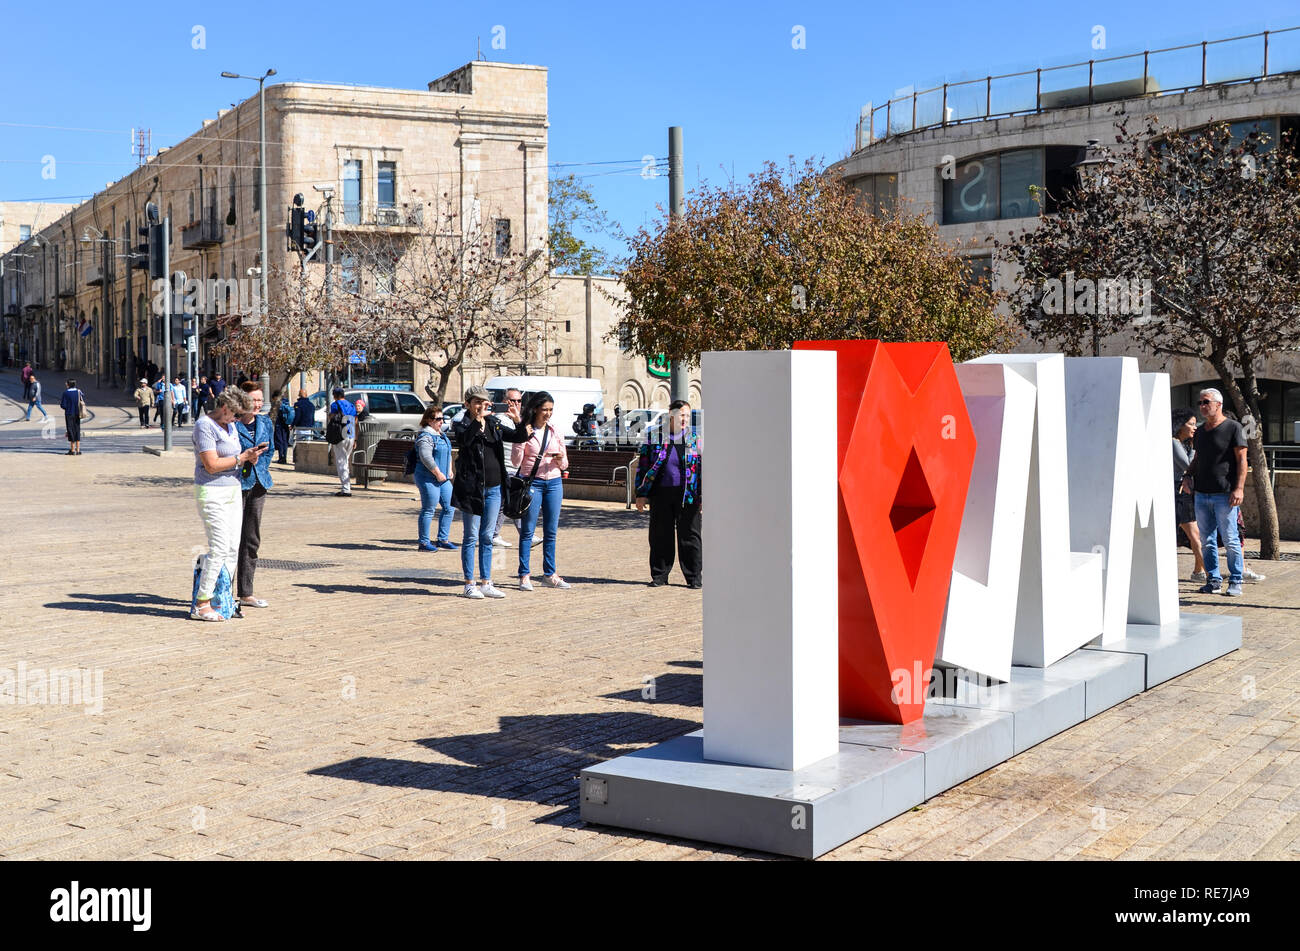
{"x": 1205, "y": 402}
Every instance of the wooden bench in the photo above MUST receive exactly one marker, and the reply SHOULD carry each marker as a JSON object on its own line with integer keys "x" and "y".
{"x": 596, "y": 467}
{"x": 389, "y": 455}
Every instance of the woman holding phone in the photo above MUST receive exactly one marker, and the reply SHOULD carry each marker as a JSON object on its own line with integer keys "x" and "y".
{"x": 255, "y": 432}
{"x": 545, "y": 455}
{"x": 218, "y": 459}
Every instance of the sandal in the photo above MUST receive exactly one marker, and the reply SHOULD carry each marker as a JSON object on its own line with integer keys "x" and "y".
{"x": 208, "y": 614}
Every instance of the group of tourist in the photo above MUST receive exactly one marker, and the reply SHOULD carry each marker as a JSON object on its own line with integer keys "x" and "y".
{"x": 1209, "y": 487}
{"x": 232, "y": 445}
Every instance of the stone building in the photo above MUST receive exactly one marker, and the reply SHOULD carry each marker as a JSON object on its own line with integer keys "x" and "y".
{"x": 19, "y": 220}
{"x": 966, "y": 154}
{"x": 475, "y": 139}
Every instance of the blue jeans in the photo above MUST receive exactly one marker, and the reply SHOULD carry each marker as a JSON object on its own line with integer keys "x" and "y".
{"x": 37, "y": 404}
{"x": 1217, "y": 521}
{"x": 431, "y": 495}
{"x": 478, "y": 534}
{"x": 547, "y": 496}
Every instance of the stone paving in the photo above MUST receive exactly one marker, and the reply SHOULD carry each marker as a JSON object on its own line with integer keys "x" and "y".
{"x": 370, "y": 713}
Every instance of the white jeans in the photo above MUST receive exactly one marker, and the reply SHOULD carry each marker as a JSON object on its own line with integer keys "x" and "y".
{"x": 222, "y": 510}
{"x": 342, "y": 453}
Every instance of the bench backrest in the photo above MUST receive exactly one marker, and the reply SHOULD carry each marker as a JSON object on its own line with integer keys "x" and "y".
{"x": 593, "y": 464}
{"x": 390, "y": 452}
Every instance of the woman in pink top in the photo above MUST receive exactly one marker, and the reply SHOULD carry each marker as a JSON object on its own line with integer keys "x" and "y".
{"x": 547, "y": 488}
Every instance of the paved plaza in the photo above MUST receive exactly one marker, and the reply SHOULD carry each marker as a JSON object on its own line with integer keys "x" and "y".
{"x": 371, "y": 713}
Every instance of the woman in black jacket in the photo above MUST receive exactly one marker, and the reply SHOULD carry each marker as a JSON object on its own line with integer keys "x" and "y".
{"x": 476, "y": 488}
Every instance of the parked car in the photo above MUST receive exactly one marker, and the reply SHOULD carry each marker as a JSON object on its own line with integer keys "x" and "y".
{"x": 631, "y": 429}
{"x": 401, "y": 409}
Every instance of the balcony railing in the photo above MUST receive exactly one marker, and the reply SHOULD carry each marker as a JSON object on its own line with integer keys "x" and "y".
{"x": 95, "y": 274}
{"x": 1149, "y": 73}
{"x": 205, "y": 232}
{"x": 368, "y": 214}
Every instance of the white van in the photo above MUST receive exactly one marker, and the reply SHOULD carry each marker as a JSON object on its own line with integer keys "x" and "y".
{"x": 570, "y": 393}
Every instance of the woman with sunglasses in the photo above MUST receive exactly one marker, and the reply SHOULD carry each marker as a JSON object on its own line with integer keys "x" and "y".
{"x": 433, "y": 479}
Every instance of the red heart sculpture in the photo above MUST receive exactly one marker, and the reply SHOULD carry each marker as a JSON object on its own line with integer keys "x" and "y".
{"x": 906, "y": 448}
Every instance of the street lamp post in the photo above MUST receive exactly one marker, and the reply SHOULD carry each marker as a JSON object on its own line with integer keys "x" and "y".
{"x": 1093, "y": 169}
{"x": 261, "y": 180}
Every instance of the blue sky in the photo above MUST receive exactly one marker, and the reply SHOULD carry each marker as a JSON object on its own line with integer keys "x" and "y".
{"x": 620, "y": 74}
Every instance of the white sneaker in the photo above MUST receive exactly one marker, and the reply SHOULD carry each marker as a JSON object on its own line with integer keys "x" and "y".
{"x": 1248, "y": 575}
{"x": 488, "y": 590}
{"x": 554, "y": 581}
{"x": 525, "y": 584}
{"x": 472, "y": 591}
{"x": 536, "y": 541}
{"x": 499, "y": 542}
{"x": 1198, "y": 576}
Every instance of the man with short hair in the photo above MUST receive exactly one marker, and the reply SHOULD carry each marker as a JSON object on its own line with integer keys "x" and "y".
{"x": 202, "y": 393}
{"x": 1218, "y": 476}
{"x": 34, "y": 398}
{"x": 344, "y": 414}
{"x": 514, "y": 401}
{"x": 143, "y": 400}
{"x": 27, "y": 379}
{"x": 180, "y": 402}
{"x": 71, "y": 403}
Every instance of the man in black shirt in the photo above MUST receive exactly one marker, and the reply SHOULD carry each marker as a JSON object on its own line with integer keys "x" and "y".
{"x": 1218, "y": 474}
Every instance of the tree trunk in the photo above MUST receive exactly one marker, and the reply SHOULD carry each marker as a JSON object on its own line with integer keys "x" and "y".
{"x": 1269, "y": 529}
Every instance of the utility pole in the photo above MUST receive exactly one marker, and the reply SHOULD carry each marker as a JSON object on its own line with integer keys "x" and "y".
{"x": 679, "y": 383}
{"x": 167, "y": 332}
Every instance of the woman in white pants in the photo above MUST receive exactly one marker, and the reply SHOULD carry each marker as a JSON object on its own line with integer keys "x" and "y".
{"x": 217, "y": 461}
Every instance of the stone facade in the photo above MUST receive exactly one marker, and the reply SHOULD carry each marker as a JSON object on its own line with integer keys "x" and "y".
{"x": 918, "y": 160}
{"x": 477, "y": 138}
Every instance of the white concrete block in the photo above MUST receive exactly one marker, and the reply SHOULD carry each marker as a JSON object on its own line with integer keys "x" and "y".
{"x": 770, "y": 507}
{"x": 1060, "y": 598}
{"x": 980, "y": 623}
{"x": 1153, "y": 586}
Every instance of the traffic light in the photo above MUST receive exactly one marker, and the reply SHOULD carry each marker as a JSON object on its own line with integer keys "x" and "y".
{"x": 310, "y": 232}
{"x": 295, "y": 227}
{"x": 187, "y": 326}
{"x": 154, "y": 244}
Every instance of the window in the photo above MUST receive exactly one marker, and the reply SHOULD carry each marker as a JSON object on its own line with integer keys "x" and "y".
{"x": 24, "y": 232}
{"x": 878, "y": 194}
{"x": 257, "y": 187}
{"x": 382, "y": 402}
{"x": 502, "y": 237}
{"x": 408, "y": 404}
{"x": 981, "y": 270}
{"x": 348, "y": 272}
{"x": 352, "y": 191}
{"x": 387, "y": 184}
{"x": 1010, "y": 184}
{"x": 1021, "y": 172}
{"x": 192, "y": 218}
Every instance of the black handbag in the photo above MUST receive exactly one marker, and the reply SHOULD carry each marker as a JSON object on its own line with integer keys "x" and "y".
{"x": 518, "y": 492}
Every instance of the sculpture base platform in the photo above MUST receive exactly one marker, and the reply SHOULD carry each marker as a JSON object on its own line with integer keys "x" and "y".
{"x": 882, "y": 770}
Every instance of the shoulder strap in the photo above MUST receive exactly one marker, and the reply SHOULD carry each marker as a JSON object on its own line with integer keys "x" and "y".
{"x": 546, "y": 432}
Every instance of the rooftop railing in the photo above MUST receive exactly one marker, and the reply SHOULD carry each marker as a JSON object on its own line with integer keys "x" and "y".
{"x": 1149, "y": 73}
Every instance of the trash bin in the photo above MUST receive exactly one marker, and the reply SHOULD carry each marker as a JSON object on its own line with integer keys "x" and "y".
{"x": 369, "y": 432}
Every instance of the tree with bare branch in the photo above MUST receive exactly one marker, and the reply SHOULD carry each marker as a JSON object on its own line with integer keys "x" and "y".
{"x": 440, "y": 292}
{"x": 1207, "y": 224}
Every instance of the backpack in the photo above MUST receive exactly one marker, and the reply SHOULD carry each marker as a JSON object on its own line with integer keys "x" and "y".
{"x": 334, "y": 427}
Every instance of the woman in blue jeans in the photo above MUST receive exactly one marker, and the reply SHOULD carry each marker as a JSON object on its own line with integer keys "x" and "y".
{"x": 543, "y": 459}
{"x": 433, "y": 478}
{"x": 476, "y": 489}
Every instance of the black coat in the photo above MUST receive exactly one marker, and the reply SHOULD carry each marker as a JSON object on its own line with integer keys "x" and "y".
{"x": 467, "y": 485}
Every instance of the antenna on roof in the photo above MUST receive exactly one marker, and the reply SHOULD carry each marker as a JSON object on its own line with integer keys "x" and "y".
{"x": 479, "y": 41}
{"x": 142, "y": 145}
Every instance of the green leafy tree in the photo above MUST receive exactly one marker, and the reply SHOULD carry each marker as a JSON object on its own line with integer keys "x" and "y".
{"x": 572, "y": 208}
{"x": 793, "y": 255}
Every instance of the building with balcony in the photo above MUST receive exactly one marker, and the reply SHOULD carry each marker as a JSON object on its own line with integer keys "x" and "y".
{"x": 972, "y": 156}
{"x": 475, "y": 139}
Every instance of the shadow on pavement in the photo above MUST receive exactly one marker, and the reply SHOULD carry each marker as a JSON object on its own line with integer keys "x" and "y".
{"x": 132, "y": 603}
{"x": 621, "y": 519}
{"x": 686, "y": 690}
{"x": 534, "y": 758}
